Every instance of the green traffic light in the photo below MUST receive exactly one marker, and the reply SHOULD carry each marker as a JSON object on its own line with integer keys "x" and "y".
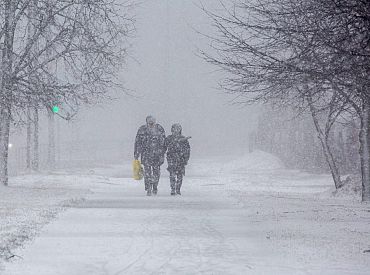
{"x": 55, "y": 109}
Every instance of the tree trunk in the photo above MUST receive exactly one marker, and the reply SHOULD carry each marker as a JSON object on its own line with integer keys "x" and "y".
{"x": 365, "y": 151}
{"x": 35, "y": 161}
{"x": 30, "y": 31}
{"x": 58, "y": 150}
{"x": 341, "y": 152}
{"x": 6, "y": 89}
{"x": 4, "y": 144}
{"x": 329, "y": 157}
{"x": 51, "y": 139}
{"x": 28, "y": 145}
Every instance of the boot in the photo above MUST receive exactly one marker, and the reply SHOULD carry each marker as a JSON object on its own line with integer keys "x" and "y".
{"x": 155, "y": 188}
{"x": 146, "y": 185}
{"x": 173, "y": 193}
{"x": 178, "y": 186}
{"x": 149, "y": 190}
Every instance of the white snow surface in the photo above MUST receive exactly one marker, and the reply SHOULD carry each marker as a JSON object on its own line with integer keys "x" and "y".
{"x": 245, "y": 215}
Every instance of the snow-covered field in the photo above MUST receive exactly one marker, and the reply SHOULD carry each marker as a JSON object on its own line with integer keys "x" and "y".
{"x": 245, "y": 215}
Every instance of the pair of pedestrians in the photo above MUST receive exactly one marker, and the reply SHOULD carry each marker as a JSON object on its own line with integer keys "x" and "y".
{"x": 151, "y": 144}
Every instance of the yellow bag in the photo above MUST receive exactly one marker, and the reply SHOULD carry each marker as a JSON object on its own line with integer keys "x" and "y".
{"x": 138, "y": 170}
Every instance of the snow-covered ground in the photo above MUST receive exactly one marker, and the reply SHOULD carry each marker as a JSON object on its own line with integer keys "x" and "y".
{"x": 245, "y": 215}
{"x": 32, "y": 201}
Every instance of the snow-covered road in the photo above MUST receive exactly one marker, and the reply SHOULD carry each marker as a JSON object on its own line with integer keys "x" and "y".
{"x": 216, "y": 227}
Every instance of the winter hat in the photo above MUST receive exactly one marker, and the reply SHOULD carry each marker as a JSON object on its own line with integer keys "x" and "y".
{"x": 176, "y": 128}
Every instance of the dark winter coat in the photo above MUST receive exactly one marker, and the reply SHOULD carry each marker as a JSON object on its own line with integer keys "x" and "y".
{"x": 178, "y": 152}
{"x": 149, "y": 144}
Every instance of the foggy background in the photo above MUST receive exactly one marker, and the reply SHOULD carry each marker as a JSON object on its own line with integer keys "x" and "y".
{"x": 166, "y": 78}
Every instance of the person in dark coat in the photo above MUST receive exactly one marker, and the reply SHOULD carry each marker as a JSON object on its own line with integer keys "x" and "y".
{"x": 178, "y": 154}
{"x": 149, "y": 144}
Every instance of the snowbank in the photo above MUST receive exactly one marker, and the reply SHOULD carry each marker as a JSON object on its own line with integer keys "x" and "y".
{"x": 29, "y": 203}
{"x": 350, "y": 191}
{"x": 261, "y": 172}
{"x": 252, "y": 162}
{"x": 255, "y": 161}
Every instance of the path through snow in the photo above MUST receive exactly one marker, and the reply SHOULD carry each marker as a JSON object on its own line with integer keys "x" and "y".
{"x": 216, "y": 227}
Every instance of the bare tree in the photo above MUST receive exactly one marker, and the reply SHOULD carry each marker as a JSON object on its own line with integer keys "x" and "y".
{"x": 85, "y": 39}
{"x": 273, "y": 50}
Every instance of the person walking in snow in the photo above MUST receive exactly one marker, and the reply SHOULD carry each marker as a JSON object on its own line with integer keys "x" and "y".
{"x": 149, "y": 144}
{"x": 178, "y": 154}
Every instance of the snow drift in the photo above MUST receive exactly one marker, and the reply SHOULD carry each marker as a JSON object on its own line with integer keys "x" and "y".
{"x": 256, "y": 161}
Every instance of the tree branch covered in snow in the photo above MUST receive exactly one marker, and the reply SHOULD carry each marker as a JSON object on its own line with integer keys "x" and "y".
{"x": 311, "y": 55}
